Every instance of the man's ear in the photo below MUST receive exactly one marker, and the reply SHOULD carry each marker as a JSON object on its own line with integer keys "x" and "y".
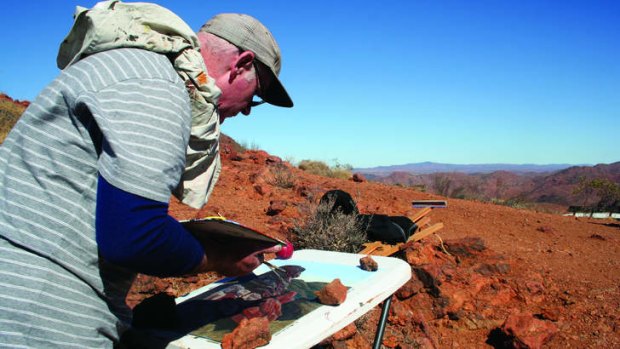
{"x": 243, "y": 62}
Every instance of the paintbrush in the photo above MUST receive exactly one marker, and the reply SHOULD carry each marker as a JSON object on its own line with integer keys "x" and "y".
{"x": 277, "y": 270}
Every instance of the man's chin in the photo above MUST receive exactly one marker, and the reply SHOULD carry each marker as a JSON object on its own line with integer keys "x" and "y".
{"x": 224, "y": 117}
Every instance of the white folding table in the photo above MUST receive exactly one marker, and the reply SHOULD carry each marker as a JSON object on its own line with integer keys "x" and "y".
{"x": 366, "y": 290}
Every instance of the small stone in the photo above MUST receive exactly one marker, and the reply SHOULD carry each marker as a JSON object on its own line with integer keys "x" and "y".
{"x": 275, "y": 207}
{"x": 545, "y": 229}
{"x": 358, "y": 178}
{"x": 368, "y": 264}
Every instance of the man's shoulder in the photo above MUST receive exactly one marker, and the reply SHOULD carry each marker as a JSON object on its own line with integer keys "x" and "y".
{"x": 127, "y": 63}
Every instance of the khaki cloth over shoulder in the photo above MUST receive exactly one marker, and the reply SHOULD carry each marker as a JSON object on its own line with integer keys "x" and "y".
{"x": 113, "y": 24}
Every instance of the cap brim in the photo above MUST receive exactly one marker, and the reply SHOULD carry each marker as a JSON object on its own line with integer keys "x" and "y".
{"x": 274, "y": 92}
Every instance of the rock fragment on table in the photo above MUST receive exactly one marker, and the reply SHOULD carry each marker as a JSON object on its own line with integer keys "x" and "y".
{"x": 333, "y": 293}
{"x": 368, "y": 264}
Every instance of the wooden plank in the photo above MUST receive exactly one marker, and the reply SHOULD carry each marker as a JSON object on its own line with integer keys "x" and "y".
{"x": 423, "y": 223}
{"x": 377, "y": 248}
{"x": 418, "y": 215}
{"x": 370, "y": 247}
{"x": 426, "y": 232}
{"x": 386, "y": 250}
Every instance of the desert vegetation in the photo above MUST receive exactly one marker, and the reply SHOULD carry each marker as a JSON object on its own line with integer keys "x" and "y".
{"x": 598, "y": 194}
{"x": 326, "y": 229}
{"x": 282, "y": 177}
{"x": 322, "y": 169}
{"x": 10, "y": 111}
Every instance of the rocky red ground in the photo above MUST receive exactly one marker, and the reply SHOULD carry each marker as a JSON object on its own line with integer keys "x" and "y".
{"x": 502, "y": 277}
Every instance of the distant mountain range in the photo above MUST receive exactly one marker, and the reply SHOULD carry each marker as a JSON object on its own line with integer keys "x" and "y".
{"x": 526, "y": 184}
{"x": 435, "y": 167}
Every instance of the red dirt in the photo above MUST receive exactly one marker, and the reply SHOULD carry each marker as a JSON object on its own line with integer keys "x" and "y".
{"x": 560, "y": 273}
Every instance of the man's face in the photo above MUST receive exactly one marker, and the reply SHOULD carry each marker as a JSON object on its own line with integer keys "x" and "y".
{"x": 237, "y": 93}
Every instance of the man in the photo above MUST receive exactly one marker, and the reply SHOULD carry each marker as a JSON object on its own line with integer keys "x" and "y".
{"x": 86, "y": 174}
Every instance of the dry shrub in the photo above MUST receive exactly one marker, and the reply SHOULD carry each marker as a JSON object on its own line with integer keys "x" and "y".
{"x": 315, "y": 167}
{"x": 341, "y": 173}
{"x": 322, "y": 169}
{"x": 282, "y": 176}
{"x": 9, "y": 114}
{"x": 330, "y": 231}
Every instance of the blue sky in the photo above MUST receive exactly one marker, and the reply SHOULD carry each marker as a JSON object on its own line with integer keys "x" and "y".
{"x": 393, "y": 82}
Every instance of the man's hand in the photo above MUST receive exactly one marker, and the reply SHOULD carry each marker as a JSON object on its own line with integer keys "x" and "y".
{"x": 233, "y": 257}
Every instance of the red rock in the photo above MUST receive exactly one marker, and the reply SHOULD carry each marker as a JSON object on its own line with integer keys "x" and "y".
{"x": 345, "y": 333}
{"x": 259, "y": 157}
{"x": 358, "y": 342}
{"x": 276, "y": 207}
{"x": 525, "y": 331}
{"x": 248, "y": 334}
{"x": 390, "y": 341}
{"x": 553, "y": 313}
{"x": 262, "y": 189}
{"x": 273, "y": 160}
{"x": 457, "y": 300}
{"x": 421, "y": 253}
{"x": 503, "y": 297}
{"x": 368, "y": 264}
{"x": 260, "y": 177}
{"x": 333, "y": 293}
{"x": 465, "y": 247}
{"x": 400, "y": 313}
{"x": 545, "y": 229}
{"x": 412, "y": 287}
{"x": 489, "y": 269}
{"x": 358, "y": 177}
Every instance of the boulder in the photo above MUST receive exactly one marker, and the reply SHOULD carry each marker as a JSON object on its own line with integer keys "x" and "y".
{"x": 524, "y": 331}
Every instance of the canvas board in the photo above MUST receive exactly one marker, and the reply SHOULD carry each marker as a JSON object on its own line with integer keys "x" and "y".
{"x": 228, "y": 229}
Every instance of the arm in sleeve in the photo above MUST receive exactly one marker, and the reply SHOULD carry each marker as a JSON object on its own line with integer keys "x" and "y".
{"x": 137, "y": 233}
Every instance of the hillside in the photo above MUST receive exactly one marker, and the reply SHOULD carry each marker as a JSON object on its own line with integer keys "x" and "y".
{"x": 551, "y": 281}
{"x": 10, "y": 111}
{"x": 558, "y": 273}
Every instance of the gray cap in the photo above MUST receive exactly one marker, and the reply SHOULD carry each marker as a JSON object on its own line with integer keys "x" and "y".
{"x": 247, "y": 33}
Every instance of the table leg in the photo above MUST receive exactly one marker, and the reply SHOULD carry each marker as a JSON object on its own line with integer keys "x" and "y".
{"x": 385, "y": 310}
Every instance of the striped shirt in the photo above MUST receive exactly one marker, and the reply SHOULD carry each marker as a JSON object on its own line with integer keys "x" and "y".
{"x": 124, "y": 114}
